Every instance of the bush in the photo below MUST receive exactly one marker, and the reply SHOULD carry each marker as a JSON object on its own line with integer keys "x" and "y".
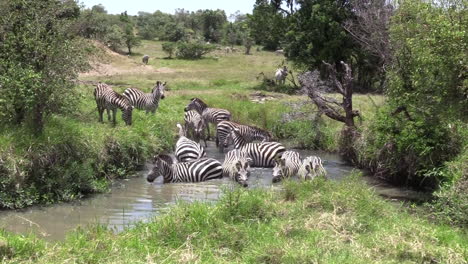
{"x": 193, "y": 50}
{"x": 169, "y": 48}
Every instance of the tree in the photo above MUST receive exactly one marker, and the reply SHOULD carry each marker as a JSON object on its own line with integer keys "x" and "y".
{"x": 169, "y": 48}
{"x": 129, "y": 37}
{"x": 40, "y": 58}
{"x": 267, "y": 26}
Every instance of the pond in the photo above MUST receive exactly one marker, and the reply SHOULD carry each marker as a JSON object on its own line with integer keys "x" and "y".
{"x": 136, "y": 200}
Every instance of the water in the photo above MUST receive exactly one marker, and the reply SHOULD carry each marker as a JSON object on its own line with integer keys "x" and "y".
{"x": 137, "y": 200}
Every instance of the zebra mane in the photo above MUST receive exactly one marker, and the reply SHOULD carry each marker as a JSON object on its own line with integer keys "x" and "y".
{"x": 199, "y": 102}
{"x": 261, "y": 130}
{"x": 164, "y": 157}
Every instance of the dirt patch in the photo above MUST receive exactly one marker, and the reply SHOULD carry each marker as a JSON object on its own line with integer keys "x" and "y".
{"x": 261, "y": 98}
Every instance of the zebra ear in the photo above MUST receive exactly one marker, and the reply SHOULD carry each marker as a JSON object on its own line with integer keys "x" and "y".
{"x": 307, "y": 167}
{"x": 155, "y": 159}
{"x": 238, "y": 165}
{"x": 249, "y": 161}
{"x": 158, "y": 83}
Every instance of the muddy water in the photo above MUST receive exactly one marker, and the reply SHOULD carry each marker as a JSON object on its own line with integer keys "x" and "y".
{"x": 136, "y": 200}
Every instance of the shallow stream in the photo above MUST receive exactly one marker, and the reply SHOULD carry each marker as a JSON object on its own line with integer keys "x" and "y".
{"x": 135, "y": 200}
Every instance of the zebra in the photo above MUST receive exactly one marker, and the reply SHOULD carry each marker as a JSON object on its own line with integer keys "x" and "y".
{"x": 249, "y": 133}
{"x": 281, "y": 74}
{"x": 145, "y": 59}
{"x": 146, "y": 101}
{"x": 192, "y": 171}
{"x": 236, "y": 166}
{"x": 311, "y": 167}
{"x": 262, "y": 154}
{"x": 195, "y": 126}
{"x": 187, "y": 149}
{"x": 108, "y": 99}
{"x": 287, "y": 165}
{"x": 209, "y": 115}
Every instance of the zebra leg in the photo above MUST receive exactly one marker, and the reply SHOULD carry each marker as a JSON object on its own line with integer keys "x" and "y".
{"x": 108, "y": 115}
{"x": 208, "y": 129}
{"x": 114, "y": 113}
{"x": 101, "y": 112}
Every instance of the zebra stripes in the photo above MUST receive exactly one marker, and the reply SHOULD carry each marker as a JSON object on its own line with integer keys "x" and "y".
{"x": 108, "y": 99}
{"x": 311, "y": 167}
{"x": 146, "y": 101}
{"x": 210, "y": 115}
{"x": 249, "y": 133}
{"x": 286, "y": 166}
{"x": 262, "y": 154}
{"x": 186, "y": 149}
{"x": 192, "y": 171}
{"x": 195, "y": 126}
{"x": 236, "y": 166}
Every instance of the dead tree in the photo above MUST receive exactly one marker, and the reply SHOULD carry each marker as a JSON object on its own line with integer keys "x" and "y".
{"x": 316, "y": 88}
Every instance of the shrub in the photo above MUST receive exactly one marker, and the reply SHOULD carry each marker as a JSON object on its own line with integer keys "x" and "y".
{"x": 193, "y": 50}
{"x": 169, "y": 48}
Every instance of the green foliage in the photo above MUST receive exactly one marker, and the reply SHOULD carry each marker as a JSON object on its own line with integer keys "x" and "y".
{"x": 169, "y": 48}
{"x": 193, "y": 50}
{"x": 129, "y": 37}
{"x": 40, "y": 57}
{"x": 115, "y": 38}
{"x": 267, "y": 26}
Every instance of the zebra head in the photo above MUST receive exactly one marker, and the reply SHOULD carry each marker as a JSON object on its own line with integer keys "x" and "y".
{"x": 311, "y": 167}
{"x": 279, "y": 171}
{"x": 161, "y": 167}
{"x": 196, "y": 104}
{"x": 242, "y": 171}
{"x": 127, "y": 114}
{"x": 158, "y": 90}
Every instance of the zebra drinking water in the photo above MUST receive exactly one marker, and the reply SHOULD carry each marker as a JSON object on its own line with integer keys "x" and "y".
{"x": 311, "y": 167}
{"x": 249, "y": 133}
{"x": 187, "y": 149}
{"x": 195, "y": 126}
{"x": 146, "y": 101}
{"x": 262, "y": 154}
{"x": 209, "y": 115}
{"x": 108, "y": 99}
{"x": 192, "y": 171}
{"x": 236, "y": 166}
{"x": 286, "y": 166}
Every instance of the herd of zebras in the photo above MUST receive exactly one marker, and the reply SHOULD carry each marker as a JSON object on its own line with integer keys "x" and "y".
{"x": 191, "y": 163}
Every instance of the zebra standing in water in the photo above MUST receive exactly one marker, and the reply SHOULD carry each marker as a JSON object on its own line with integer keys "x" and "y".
{"x": 209, "y": 115}
{"x": 195, "y": 126}
{"x": 186, "y": 149}
{"x": 108, "y": 99}
{"x": 192, "y": 171}
{"x": 262, "y": 154}
{"x": 236, "y": 166}
{"x": 146, "y": 101}
{"x": 311, "y": 167}
{"x": 286, "y": 166}
{"x": 249, "y": 133}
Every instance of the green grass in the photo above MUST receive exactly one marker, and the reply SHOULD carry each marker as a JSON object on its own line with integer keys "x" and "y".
{"x": 308, "y": 222}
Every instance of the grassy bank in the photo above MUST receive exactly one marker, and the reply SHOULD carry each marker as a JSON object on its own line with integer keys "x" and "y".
{"x": 310, "y": 222}
{"x": 76, "y": 155}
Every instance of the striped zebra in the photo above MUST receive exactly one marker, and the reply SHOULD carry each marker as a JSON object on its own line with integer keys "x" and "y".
{"x": 262, "y": 154}
{"x": 191, "y": 171}
{"x": 146, "y": 101}
{"x": 311, "y": 167}
{"x": 209, "y": 115}
{"x": 195, "y": 126}
{"x": 108, "y": 99}
{"x": 236, "y": 166}
{"x": 187, "y": 149}
{"x": 249, "y": 133}
{"x": 287, "y": 165}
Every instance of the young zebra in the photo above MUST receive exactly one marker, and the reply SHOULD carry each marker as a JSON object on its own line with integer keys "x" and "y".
{"x": 236, "y": 166}
{"x": 146, "y": 101}
{"x": 192, "y": 171}
{"x": 311, "y": 167}
{"x": 286, "y": 166}
{"x": 195, "y": 126}
{"x": 209, "y": 115}
{"x": 108, "y": 99}
{"x": 186, "y": 149}
{"x": 262, "y": 154}
{"x": 249, "y": 133}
